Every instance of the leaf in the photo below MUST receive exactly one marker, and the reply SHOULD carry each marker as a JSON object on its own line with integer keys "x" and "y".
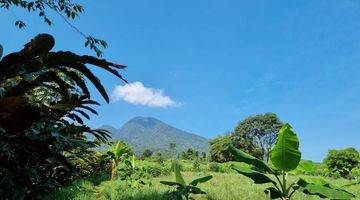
{"x": 200, "y": 180}
{"x": 322, "y": 189}
{"x": 285, "y": 155}
{"x": 249, "y": 159}
{"x": 257, "y": 177}
{"x": 351, "y": 184}
{"x": 195, "y": 190}
{"x": 1, "y": 50}
{"x": 41, "y": 44}
{"x": 178, "y": 177}
{"x": 273, "y": 193}
{"x": 306, "y": 166}
{"x": 169, "y": 183}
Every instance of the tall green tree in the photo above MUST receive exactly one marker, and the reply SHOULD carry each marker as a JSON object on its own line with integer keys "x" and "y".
{"x": 342, "y": 161}
{"x": 259, "y": 131}
{"x": 147, "y": 153}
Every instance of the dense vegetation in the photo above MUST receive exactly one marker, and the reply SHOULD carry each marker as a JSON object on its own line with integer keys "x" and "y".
{"x": 43, "y": 99}
{"x": 45, "y": 151}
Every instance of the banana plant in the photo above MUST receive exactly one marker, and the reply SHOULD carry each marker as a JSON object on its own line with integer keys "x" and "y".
{"x": 285, "y": 157}
{"x": 183, "y": 189}
{"x": 131, "y": 173}
{"x": 117, "y": 152}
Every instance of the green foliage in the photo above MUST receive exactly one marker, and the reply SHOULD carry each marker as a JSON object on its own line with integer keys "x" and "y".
{"x": 214, "y": 167}
{"x": 41, "y": 141}
{"x": 285, "y": 157}
{"x": 117, "y": 152}
{"x": 305, "y": 167}
{"x": 183, "y": 189}
{"x": 159, "y": 158}
{"x": 257, "y": 134}
{"x": 154, "y": 169}
{"x": 219, "y": 149}
{"x": 130, "y": 172}
{"x": 190, "y": 154}
{"x": 146, "y": 154}
{"x": 177, "y": 164}
{"x": 356, "y": 172}
{"x": 66, "y": 9}
{"x": 196, "y": 165}
{"x": 342, "y": 161}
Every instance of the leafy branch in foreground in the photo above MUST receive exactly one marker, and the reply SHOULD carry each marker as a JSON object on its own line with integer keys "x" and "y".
{"x": 285, "y": 156}
{"x": 43, "y": 101}
{"x": 66, "y": 9}
{"x": 183, "y": 189}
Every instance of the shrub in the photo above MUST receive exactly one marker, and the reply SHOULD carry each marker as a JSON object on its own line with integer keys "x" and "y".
{"x": 159, "y": 158}
{"x": 196, "y": 165}
{"x": 184, "y": 189}
{"x": 176, "y": 163}
{"x": 342, "y": 161}
{"x": 155, "y": 169}
{"x": 356, "y": 172}
{"x": 214, "y": 167}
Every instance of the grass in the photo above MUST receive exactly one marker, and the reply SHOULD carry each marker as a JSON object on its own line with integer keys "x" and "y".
{"x": 222, "y": 187}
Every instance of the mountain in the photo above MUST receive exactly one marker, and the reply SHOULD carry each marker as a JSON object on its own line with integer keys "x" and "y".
{"x": 147, "y": 132}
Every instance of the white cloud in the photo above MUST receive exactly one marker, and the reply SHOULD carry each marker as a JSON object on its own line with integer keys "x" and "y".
{"x": 137, "y": 93}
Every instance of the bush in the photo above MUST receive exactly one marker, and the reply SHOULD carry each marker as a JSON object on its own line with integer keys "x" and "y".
{"x": 356, "y": 172}
{"x": 341, "y": 162}
{"x": 159, "y": 158}
{"x": 153, "y": 169}
{"x": 214, "y": 167}
{"x": 178, "y": 163}
{"x": 196, "y": 165}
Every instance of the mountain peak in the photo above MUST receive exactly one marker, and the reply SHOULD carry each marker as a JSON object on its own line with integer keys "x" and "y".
{"x": 145, "y": 121}
{"x": 148, "y": 132}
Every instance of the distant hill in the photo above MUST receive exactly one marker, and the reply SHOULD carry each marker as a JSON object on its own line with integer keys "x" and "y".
{"x": 147, "y": 132}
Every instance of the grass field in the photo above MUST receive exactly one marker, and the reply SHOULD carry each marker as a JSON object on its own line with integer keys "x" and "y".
{"x": 222, "y": 187}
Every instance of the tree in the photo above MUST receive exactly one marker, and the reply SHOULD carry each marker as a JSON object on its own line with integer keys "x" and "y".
{"x": 172, "y": 150}
{"x": 219, "y": 149}
{"x": 190, "y": 154}
{"x": 38, "y": 138}
{"x": 203, "y": 155}
{"x": 159, "y": 158}
{"x": 259, "y": 131}
{"x": 342, "y": 161}
{"x": 147, "y": 153}
{"x": 66, "y": 9}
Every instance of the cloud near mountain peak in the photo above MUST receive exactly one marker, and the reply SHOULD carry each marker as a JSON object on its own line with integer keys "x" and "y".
{"x": 136, "y": 93}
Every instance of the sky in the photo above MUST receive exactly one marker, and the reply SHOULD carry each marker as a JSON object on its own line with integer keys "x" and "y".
{"x": 202, "y": 66}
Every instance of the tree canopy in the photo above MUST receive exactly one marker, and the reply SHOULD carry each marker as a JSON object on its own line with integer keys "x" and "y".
{"x": 259, "y": 131}
{"x": 342, "y": 161}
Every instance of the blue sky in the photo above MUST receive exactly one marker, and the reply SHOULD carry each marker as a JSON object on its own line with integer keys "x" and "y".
{"x": 217, "y": 62}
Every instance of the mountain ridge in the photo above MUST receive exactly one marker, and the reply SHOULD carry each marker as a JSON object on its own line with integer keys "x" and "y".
{"x": 148, "y": 132}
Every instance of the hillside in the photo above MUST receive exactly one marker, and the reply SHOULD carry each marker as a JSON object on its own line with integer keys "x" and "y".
{"x": 146, "y": 132}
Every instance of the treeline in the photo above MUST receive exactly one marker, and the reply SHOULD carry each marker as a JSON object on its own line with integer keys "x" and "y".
{"x": 257, "y": 134}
